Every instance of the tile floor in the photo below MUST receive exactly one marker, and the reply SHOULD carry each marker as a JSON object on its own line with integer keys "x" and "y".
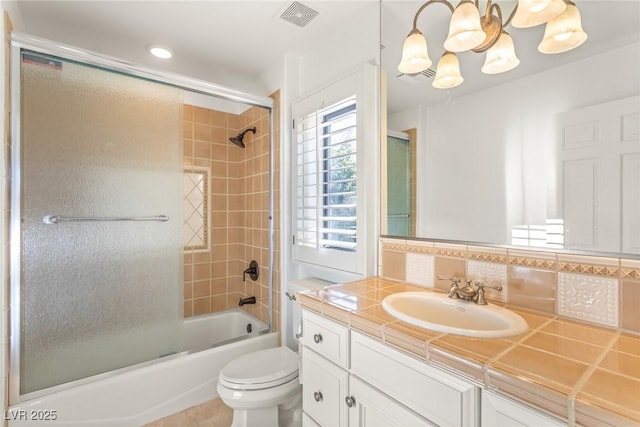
{"x": 213, "y": 413}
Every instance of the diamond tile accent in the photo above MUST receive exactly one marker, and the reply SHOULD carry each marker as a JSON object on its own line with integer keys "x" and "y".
{"x": 546, "y": 264}
{"x": 394, "y": 246}
{"x": 589, "y": 298}
{"x": 420, "y": 249}
{"x": 598, "y": 270}
{"x": 195, "y": 209}
{"x": 491, "y": 274}
{"x": 488, "y": 257}
{"x": 420, "y": 269}
{"x": 630, "y": 274}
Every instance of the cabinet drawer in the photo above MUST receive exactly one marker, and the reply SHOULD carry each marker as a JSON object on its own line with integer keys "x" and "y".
{"x": 324, "y": 389}
{"x": 434, "y": 394}
{"x": 326, "y": 337}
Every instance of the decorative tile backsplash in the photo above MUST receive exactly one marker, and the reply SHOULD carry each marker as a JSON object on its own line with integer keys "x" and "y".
{"x": 491, "y": 274}
{"x": 420, "y": 269}
{"x": 590, "y": 298}
{"x": 599, "y": 290}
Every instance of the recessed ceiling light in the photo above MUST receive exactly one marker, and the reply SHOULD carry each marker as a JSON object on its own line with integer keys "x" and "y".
{"x": 160, "y": 51}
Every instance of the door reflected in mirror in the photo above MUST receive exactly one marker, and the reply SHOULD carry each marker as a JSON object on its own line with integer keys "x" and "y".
{"x": 401, "y": 183}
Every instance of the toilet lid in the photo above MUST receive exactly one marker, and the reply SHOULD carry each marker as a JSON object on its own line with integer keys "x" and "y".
{"x": 260, "y": 369}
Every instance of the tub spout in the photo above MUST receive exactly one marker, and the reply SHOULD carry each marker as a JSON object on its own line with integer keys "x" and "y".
{"x": 248, "y": 300}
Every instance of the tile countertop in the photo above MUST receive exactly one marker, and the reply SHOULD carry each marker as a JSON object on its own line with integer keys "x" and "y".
{"x": 581, "y": 373}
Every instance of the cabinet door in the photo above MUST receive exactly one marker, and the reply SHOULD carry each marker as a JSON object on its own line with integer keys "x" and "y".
{"x": 307, "y": 421}
{"x": 324, "y": 388}
{"x": 371, "y": 408}
{"x": 498, "y": 411}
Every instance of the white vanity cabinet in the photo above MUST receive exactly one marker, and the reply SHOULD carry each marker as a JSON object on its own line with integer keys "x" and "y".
{"x": 351, "y": 380}
{"x": 498, "y": 411}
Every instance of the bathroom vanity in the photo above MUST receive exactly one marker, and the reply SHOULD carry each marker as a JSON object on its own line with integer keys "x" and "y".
{"x": 350, "y": 379}
{"x": 362, "y": 367}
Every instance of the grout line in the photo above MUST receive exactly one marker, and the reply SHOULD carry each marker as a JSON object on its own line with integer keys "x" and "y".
{"x": 585, "y": 377}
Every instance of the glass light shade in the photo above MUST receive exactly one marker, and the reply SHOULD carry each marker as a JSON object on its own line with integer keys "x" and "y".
{"x": 415, "y": 57}
{"x": 501, "y": 57}
{"x": 465, "y": 31}
{"x": 448, "y": 72}
{"x": 535, "y": 12}
{"x": 564, "y": 32}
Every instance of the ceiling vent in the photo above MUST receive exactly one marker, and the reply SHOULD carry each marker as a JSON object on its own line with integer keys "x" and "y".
{"x": 416, "y": 78}
{"x": 298, "y": 14}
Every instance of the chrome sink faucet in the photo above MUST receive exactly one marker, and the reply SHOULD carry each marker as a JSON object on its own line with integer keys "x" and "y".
{"x": 468, "y": 292}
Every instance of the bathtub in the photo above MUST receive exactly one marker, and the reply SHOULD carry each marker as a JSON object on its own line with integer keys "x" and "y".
{"x": 137, "y": 395}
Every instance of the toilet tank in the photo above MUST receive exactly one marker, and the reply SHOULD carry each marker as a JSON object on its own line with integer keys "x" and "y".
{"x": 294, "y": 312}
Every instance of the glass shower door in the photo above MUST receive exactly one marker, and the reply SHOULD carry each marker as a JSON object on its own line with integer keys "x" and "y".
{"x": 96, "y": 293}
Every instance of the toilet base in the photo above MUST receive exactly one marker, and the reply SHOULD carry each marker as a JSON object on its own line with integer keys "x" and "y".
{"x": 280, "y": 416}
{"x": 276, "y": 407}
{"x": 258, "y": 417}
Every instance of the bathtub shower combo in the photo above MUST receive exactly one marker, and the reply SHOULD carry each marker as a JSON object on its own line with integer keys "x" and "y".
{"x": 98, "y": 335}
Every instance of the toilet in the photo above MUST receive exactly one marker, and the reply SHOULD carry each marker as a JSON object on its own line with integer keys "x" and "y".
{"x": 262, "y": 387}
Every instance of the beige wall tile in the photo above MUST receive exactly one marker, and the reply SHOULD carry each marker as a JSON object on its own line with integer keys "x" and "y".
{"x": 394, "y": 264}
{"x": 449, "y": 267}
{"x": 202, "y": 115}
{"x": 630, "y": 305}
{"x": 533, "y": 289}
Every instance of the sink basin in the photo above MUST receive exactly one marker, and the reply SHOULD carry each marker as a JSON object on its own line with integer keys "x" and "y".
{"x": 438, "y": 312}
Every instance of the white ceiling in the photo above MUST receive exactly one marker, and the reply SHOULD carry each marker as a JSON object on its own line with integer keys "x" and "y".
{"x": 220, "y": 41}
{"x": 228, "y": 41}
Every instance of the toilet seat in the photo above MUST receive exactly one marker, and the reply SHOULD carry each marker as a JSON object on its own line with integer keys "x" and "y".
{"x": 260, "y": 370}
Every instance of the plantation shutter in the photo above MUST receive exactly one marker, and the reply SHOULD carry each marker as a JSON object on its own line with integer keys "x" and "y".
{"x": 325, "y": 157}
{"x": 326, "y": 178}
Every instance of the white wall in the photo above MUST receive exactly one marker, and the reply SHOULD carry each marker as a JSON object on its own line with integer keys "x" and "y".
{"x": 342, "y": 52}
{"x": 485, "y": 152}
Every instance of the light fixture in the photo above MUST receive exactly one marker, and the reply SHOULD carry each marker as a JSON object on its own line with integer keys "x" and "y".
{"x": 415, "y": 57}
{"x": 564, "y": 32}
{"x": 465, "y": 31}
{"x": 530, "y": 13}
{"x": 160, "y": 51}
{"x": 448, "y": 74}
{"x": 501, "y": 57}
{"x": 470, "y": 31}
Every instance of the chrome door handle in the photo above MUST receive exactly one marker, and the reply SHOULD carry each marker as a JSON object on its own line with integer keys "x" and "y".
{"x": 317, "y": 396}
{"x": 317, "y": 338}
{"x": 350, "y": 401}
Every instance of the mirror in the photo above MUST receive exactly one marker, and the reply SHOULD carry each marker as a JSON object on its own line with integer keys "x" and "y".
{"x": 546, "y": 155}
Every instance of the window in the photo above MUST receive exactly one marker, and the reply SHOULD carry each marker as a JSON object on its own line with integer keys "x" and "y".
{"x": 326, "y": 200}
{"x": 326, "y": 179}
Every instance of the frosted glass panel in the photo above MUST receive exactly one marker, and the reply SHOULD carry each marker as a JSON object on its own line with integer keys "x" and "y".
{"x": 398, "y": 170}
{"x": 98, "y": 296}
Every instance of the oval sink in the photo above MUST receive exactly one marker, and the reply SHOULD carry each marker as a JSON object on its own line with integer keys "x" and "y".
{"x": 438, "y": 312}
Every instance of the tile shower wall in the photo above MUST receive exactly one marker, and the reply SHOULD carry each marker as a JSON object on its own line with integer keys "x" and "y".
{"x": 604, "y": 291}
{"x": 238, "y": 206}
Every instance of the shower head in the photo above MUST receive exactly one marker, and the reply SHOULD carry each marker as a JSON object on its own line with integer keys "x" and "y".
{"x": 238, "y": 139}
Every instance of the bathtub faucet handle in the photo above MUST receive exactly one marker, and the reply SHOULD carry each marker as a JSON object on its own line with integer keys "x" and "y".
{"x": 253, "y": 271}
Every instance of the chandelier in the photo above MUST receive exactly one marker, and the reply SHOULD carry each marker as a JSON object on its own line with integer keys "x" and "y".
{"x": 470, "y": 31}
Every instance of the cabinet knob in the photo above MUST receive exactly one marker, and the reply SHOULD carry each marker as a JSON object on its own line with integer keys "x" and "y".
{"x": 351, "y": 401}
{"x": 317, "y": 396}
{"x": 317, "y": 338}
